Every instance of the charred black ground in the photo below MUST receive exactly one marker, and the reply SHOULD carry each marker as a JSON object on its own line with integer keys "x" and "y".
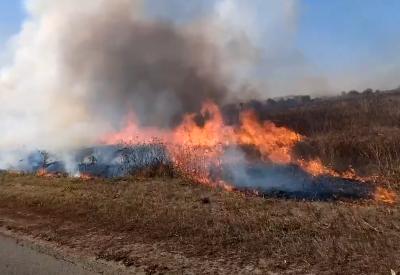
{"x": 358, "y": 130}
{"x": 265, "y": 179}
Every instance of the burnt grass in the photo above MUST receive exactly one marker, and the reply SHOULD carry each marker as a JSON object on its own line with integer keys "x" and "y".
{"x": 233, "y": 229}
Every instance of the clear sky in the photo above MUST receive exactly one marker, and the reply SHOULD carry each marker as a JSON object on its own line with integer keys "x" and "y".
{"x": 349, "y": 32}
{"x": 331, "y": 35}
{"x": 11, "y": 16}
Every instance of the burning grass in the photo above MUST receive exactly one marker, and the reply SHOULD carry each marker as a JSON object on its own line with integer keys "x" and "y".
{"x": 212, "y": 153}
{"x": 251, "y": 155}
{"x": 361, "y": 132}
{"x": 237, "y": 229}
{"x": 205, "y": 225}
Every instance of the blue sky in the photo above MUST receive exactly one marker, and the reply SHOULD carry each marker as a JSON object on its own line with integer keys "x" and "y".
{"x": 333, "y": 36}
{"x": 11, "y": 15}
{"x": 349, "y": 32}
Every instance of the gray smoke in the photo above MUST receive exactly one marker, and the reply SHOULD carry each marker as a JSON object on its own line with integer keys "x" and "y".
{"x": 156, "y": 69}
{"x": 77, "y": 69}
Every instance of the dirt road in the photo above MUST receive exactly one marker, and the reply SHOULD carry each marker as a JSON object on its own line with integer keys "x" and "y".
{"x": 20, "y": 258}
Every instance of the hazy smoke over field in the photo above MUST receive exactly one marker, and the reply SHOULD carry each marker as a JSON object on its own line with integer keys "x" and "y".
{"x": 77, "y": 68}
{"x": 159, "y": 70}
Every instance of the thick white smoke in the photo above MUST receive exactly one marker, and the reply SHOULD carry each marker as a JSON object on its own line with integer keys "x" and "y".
{"x": 42, "y": 108}
{"x": 78, "y": 67}
{"x": 38, "y": 109}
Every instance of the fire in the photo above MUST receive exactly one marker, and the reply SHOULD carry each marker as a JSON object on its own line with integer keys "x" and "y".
{"x": 86, "y": 177}
{"x": 384, "y": 195}
{"x": 41, "y": 172}
{"x": 132, "y": 133}
{"x": 316, "y": 168}
{"x": 196, "y": 150}
{"x": 274, "y": 143}
{"x": 213, "y": 133}
{"x": 44, "y": 173}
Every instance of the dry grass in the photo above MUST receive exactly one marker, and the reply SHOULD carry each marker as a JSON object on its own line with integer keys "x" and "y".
{"x": 232, "y": 229}
{"x": 361, "y": 132}
{"x": 208, "y": 224}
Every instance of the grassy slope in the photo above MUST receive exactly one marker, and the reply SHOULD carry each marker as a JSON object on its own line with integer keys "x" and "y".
{"x": 362, "y": 132}
{"x": 230, "y": 229}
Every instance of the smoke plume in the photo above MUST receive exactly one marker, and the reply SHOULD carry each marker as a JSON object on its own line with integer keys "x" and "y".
{"x": 78, "y": 68}
{"x": 156, "y": 69}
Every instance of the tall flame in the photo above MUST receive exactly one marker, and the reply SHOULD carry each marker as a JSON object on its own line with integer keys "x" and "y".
{"x": 196, "y": 151}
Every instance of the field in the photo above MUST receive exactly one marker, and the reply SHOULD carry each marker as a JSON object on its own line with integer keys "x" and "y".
{"x": 359, "y": 131}
{"x": 170, "y": 225}
{"x": 174, "y": 226}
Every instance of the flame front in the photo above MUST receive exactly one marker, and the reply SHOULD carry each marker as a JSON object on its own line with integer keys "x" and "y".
{"x": 384, "y": 195}
{"x": 196, "y": 151}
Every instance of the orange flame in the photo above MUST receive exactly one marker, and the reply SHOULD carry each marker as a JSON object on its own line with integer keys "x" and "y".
{"x": 41, "y": 172}
{"x": 274, "y": 143}
{"x": 86, "y": 177}
{"x": 384, "y": 195}
{"x": 45, "y": 174}
{"x": 204, "y": 145}
{"x": 316, "y": 168}
{"x": 196, "y": 150}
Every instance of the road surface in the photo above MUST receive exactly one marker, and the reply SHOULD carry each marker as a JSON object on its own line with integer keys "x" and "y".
{"x": 17, "y": 258}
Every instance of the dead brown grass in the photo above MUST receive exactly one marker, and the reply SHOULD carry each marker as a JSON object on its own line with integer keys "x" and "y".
{"x": 361, "y": 132}
{"x": 232, "y": 229}
{"x": 208, "y": 224}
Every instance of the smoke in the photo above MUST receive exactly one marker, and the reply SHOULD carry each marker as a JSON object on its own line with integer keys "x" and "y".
{"x": 155, "y": 68}
{"x": 77, "y": 68}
